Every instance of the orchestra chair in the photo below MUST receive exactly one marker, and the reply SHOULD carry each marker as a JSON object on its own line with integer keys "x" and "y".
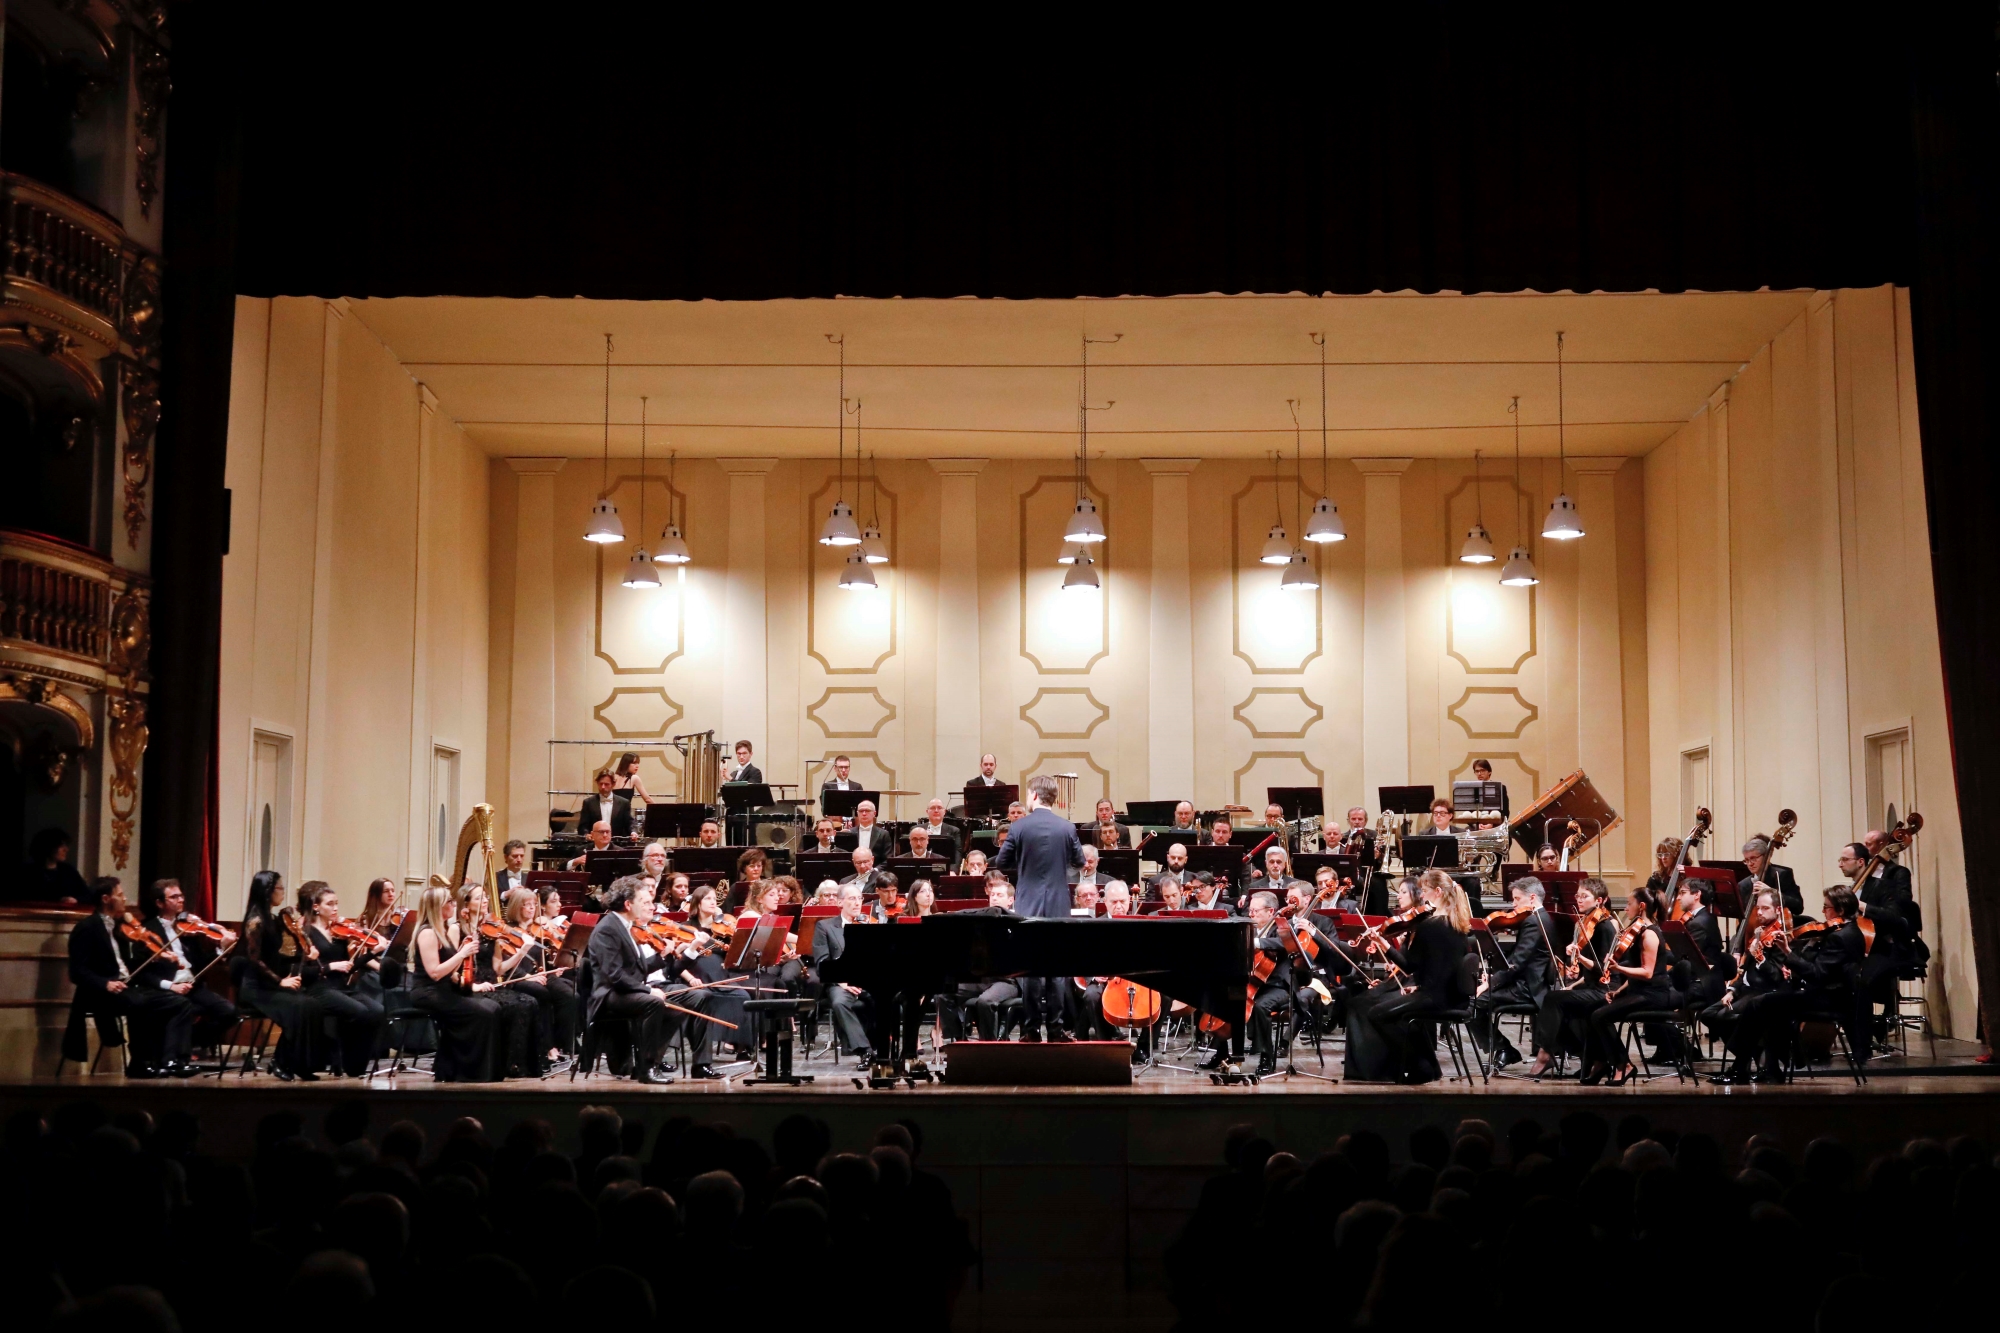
{"x": 1632, "y": 1025}
{"x": 1915, "y": 998}
{"x": 1841, "y": 1045}
{"x": 1455, "y": 1024}
{"x": 399, "y": 1015}
{"x": 76, "y": 1033}
{"x": 1523, "y": 1015}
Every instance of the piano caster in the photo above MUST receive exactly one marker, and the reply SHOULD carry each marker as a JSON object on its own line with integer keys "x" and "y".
{"x": 1232, "y": 1072}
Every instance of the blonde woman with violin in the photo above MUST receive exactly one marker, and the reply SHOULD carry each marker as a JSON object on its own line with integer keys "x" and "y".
{"x": 1392, "y": 1030}
{"x": 1562, "y": 1026}
{"x": 502, "y": 960}
{"x": 1635, "y": 979}
{"x": 278, "y": 961}
{"x": 357, "y": 1015}
{"x": 444, "y": 984}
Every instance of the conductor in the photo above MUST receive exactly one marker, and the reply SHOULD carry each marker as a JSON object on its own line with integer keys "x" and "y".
{"x": 1039, "y": 851}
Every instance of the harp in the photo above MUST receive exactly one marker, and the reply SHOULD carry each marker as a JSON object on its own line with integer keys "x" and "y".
{"x": 476, "y": 834}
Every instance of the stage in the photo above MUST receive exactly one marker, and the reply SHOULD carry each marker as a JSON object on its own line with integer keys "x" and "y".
{"x": 1072, "y": 1193}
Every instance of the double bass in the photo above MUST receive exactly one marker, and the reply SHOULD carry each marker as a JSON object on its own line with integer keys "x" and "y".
{"x": 1702, "y": 819}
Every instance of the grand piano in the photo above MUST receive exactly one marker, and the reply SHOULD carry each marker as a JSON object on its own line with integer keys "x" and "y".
{"x": 1205, "y": 963}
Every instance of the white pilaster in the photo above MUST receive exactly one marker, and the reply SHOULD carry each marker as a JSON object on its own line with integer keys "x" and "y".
{"x": 531, "y": 706}
{"x": 745, "y": 673}
{"x": 319, "y": 727}
{"x": 956, "y": 747}
{"x": 1600, "y": 676}
{"x": 1385, "y": 643}
{"x": 1725, "y": 765}
{"x": 416, "y": 833}
{"x": 1170, "y": 655}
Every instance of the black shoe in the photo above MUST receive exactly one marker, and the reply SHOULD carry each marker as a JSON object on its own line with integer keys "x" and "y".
{"x": 1214, "y": 1059}
{"x": 143, "y": 1071}
{"x": 178, "y": 1069}
{"x": 283, "y": 1075}
{"x": 703, "y": 1072}
{"x": 1059, "y": 1035}
{"x": 1139, "y": 1057}
{"x": 651, "y": 1076}
{"x": 1507, "y": 1055}
{"x": 1594, "y": 1077}
{"x": 1266, "y": 1066}
{"x": 1768, "y": 1076}
{"x": 308, "y": 1077}
{"x": 1031, "y": 1036}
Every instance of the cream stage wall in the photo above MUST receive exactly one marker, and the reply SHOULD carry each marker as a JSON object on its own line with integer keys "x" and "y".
{"x": 354, "y": 641}
{"x": 1189, "y": 674}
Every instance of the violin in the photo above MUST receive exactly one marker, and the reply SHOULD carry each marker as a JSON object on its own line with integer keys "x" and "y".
{"x": 1507, "y": 918}
{"x": 130, "y": 927}
{"x": 1625, "y": 939}
{"x": 187, "y": 923}
{"x": 1813, "y": 929}
{"x": 1586, "y": 928}
{"x": 356, "y": 933}
{"x": 302, "y": 945}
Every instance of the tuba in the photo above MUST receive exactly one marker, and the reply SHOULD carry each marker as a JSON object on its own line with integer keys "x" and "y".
{"x": 475, "y": 833}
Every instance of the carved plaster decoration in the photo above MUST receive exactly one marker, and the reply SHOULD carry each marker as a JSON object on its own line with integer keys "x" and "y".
{"x": 128, "y": 747}
{"x": 142, "y": 305}
{"x": 150, "y": 67}
{"x": 140, "y": 396}
{"x": 43, "y": 755}
{"x": 131, "y": 636}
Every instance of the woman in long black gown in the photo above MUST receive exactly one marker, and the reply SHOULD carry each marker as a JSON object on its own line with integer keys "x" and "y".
{"x": 704, "y": 915}
{"x": 1432, "y": 965}
{"x": 555, "y": 994}
{"x": 1367, "y": 1059}
{"x": 1639, "y": 981}
{"x": 522, "y": 1039}
{"x": 467, "y": 1017}
{"x": 1562, "y": 1026}
{"x": 274, "y": 976}
{"x": 357, "y": 1014}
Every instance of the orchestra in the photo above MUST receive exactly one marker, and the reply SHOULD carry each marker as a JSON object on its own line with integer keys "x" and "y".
{"x": 1550, "y": 981}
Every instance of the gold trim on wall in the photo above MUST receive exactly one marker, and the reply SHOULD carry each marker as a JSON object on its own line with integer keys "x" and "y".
{"x": 1255, "y": 755}
{"x": 882, "y": 573}
{"x": 1237, "y": 571}
{"x": 597, "y": 712}
{"x": 1103, "y": 713}
{"x": 888, "y": 716}
{"x": 680, "y": 594}
{"x": 1103, "y": 564}
{"x": 1453, "y": 568}
{"x": 1317, "y": 712}
{"x": 1532, "y": 713}
{"x": 1035, "y": 767}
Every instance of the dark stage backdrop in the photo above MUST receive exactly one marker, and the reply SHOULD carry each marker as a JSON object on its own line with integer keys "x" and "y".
{"x": 598, "y": 156}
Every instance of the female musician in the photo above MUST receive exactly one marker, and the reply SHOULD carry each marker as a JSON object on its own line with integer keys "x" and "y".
{"x": 549, "y": 914}
{"x": 378, "y": 907}
{"x": 555, "y": 994}
{"x": 1562, "y": 1024}
{"x": 1396, "y": 1027}
{"x": 1638, "y": 973}
{"x": 274, "y": 977}
{"x": 673, "y": 893}
{"x": 357, "y": 1014}
{"x": 1665, "y": 857}
{"x": 778, "y": 894}
{"x": 704, "y": 961}
{"x": 625, "y": 778}
{"x": 753, "y": 867}
{"x": 502, "y": 956}
{"x": 465, "y": 1013}
{"x": 923, "y": 899}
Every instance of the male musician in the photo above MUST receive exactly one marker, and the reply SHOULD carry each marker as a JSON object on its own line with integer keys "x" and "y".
{"x": 867, "y": 833}
{"x": 600, "y": 841}
{"x": 920, "y": 848}
{"x": 1088, "y": 873}
{"x": 864, "y": 870}
{"x": 1884, "y": 897}
{"x": 653, "y": 866}
{"x": 1015, "y": 811}
{"x": 1083, "y": 899}
{"x": 1342, "y": 898}
{"x": 980, "y": 1001}
{"x": 825, "y": 833}
{"x": 1171, "y": 895}
{"x": 114, "y": 978}
{"x": 1273, "y": 992}
{"x": 840, "y": 781}
{"x": 1037, "y": 855}
{"x": 162, "y": 904}
{"x": 1440, "y": 818}
{"x": 1702, "y": 986}
{"x": 888, "y": 904}
{"x": 1208, "y": 894}
{"x": 1527, "y": 978}
{"x": 1335, "y": 968}
{"x": 1109, "y": 832}
{"x": 1827, "y": 966}
{"x": 710, "y": 834}
{"x": 618, "y": 970}
{"x": 1184, "y": 820}
{"x": 514, "y": 874}
{"x": 610, "y": 805}
{"x": 986, "y": 778}
{"x": 975, "y": 862}
{"x": 1175, "y": 875}
{"x": 855, "y": 1013}
{"x": 1090, "y": 1004}
{"x": 744, "y": 770}
{"x": 1483, "y": 772}
{"x": 1548, "y": 860}
{"x": 1358, "y": 839}
{"x": 943, "y": 835}
{"x": 1275, "y": 877}
{"x": 1761, "y": 974}
{"x": 1757, "y": 856}
{"x": 1219, "y": 832}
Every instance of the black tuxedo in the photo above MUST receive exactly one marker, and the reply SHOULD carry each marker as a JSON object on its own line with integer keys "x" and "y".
{"x": 619, "y": 815}
{"x": 1275, "y": 992}
{"x": 618, "y": 988}
{"x": 748, "y": 773}
{"x": 1122, "y": 836}
{"x": 1275, "y": 887}
{"x": 161, "y": 1022}
{"x": 983, "y": 781}
{"x": 1527, "y": 979}
{"x": 856, "y": 1018}
{"x": 508, "y": 880}
{"x": 878, "y": 837}
{"x": 1784, "y": 881}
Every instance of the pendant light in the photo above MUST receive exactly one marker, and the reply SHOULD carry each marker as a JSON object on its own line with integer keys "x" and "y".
{"x": 840, "y": 529}
{"x": 1563, "y": 524}
{"x": 1277, "y": 547}
{"x": 605, "y": 525}
{"x": 639, "y": 571}
{"x": 1082, "y": 572}
{"x": 673, "y": 548}
{"x": 874, "y": 550}
{"x": 1478, "y": 548}
{"x": 1299, "y": 575}
{"x": 1325, "y": 524}
{"x": 1519, "y": 571}
{"x": 857, "y": 577}
{"x": 1085, "y": 527}
{"x": 1070, "y": 551}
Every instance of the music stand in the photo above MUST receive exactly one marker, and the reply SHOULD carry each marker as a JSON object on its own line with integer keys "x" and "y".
{"x": 1298, "y": 802}
{"x": 744, "y": 795}
{"x": 990, "y": 802}
{"x": 961, "y": 886}
{"x": 842, "y": 804}
{"x": 760, "y": 944}
{"x": 1430, "y": 850}
{"x": 1154, "y": 848}
{"x": 777, "y": 1014}
{"x": 1478, "y": 795}
{"x": 1489, "y": 948}
{"x": 612, "y": 863}
{"x": 1306, "y": 866}
{"x": 1560, "y": 886}
{"x": 676, "y": 819}
{"x": 1683, "y": 946}
{"x": 1408, "y": 800}
{"x": 816, "y": 866}
{"x": 908, "y": 869}
{"x": 575, "y": 940}
{"x": 712, "y": 860}
{"x": 1119, "y": 863}
{"x": 1724, "y": 898}
{"x": 1225, "y": 863}
{"x": 569, "y": 883}
{"x": 1150, "y": 812}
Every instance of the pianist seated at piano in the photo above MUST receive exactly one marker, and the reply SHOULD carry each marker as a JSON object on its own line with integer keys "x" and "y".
{"x": 974, "y": 1006}
{"x": 855, "y": 1018}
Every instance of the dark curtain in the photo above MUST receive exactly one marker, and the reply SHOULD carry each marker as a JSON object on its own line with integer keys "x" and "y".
{"x": 413, "y": 152}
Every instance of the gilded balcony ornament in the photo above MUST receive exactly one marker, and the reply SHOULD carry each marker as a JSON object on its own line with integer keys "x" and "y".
{"x": 150, "y": 66}
{"x": 128, "y": 748}
{"x": 140, "y": 398}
